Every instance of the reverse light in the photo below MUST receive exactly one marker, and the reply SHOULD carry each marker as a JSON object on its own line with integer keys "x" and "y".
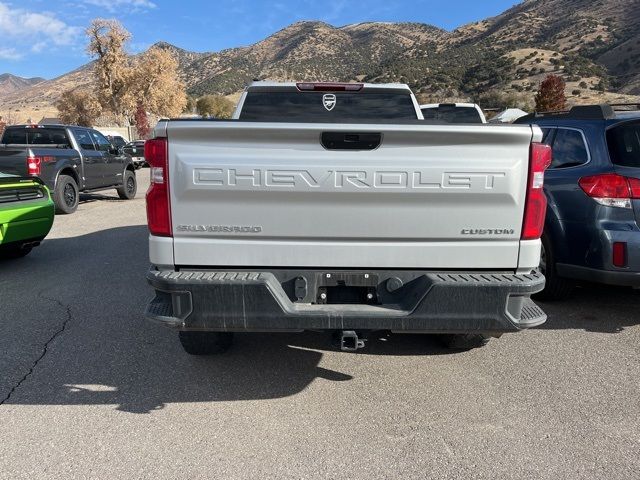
{"x": 34, "y": 166}
{"x": 329, "y": 87}
{"x": 611, "y": 189}
{"x": 158, "y": 201}
{"x": 535, "y": 208}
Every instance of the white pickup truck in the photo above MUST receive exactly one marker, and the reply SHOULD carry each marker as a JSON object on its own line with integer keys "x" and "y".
{"x": 335, "y": 207}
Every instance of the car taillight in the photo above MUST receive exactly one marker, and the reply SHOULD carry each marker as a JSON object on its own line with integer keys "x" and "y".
{"x": 611, "y": 189}
{"x": 535, "y": 208}
{"x": 329, "y": 87}
{"x": 158, "y": 202}
{"x": 34, "y": 165}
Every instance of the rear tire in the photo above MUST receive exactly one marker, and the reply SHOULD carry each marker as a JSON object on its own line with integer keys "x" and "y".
{"x": 15, "y": 251}
{"x": 66, "y": 195}
{"x": 465, "y": 341}
{"x": 129, "y": 186}
{"x": 205, "y": 343}
{"x": 556, "y": 288}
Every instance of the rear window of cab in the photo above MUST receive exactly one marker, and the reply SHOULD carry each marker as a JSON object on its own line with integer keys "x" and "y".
{"x": 452, "y": 114}
{"x": 323, "y": 107}
{"x": 35, "y": 136}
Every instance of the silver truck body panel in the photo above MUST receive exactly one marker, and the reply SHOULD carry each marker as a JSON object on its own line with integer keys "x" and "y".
{"x": 270, "y": 195}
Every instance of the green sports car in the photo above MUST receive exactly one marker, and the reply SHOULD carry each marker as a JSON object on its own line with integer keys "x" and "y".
{"x": 26, "y": 214}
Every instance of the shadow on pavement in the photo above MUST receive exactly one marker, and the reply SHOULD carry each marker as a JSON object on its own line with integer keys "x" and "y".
{"x": 109, "y": 354}
{"x": 594, "y": 308}
{"x": 107, "y": 196}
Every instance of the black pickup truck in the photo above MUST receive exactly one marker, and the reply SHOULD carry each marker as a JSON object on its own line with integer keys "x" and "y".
{"x": 69, "y": 159}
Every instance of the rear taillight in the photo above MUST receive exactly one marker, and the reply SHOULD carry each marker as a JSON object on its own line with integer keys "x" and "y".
{"x": 158, "y": 203}
{"x": 329, "y": 87}
{"x": 536, "y": 204}
{"x": 611, "y": 190}
{"x": 34, "y": 166}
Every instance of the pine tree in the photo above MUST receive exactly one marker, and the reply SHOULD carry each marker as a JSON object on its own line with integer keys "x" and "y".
{"x": 551, "y": 96}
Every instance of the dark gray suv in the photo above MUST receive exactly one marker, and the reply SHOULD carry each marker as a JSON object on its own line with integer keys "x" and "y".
{"x": 593, "y": 189}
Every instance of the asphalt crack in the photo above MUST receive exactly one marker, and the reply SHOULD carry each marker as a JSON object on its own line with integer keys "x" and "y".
{"x": 45, "y": 348}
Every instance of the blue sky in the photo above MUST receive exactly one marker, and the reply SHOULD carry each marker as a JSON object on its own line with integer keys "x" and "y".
{"x": 45, "y": 38}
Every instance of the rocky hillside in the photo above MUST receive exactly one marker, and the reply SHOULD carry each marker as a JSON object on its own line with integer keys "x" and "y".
{"x": 593, "y": 44}
{"x": 11, "y": 83}
{"x": 588, "y": 41}
{"x": 310, "y": 51}
{"x": 38, "y": 101}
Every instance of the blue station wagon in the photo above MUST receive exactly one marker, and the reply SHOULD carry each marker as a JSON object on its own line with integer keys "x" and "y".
{"x": 593, "y": 190}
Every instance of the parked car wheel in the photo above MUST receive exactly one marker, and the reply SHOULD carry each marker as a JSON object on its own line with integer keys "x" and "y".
{"x": 15, "y": 251}
{"x": 129, "y": 186}
{"x": 205, "y": 343}
{"x": 65, "y": 195}
{"x": 556, "y": 288}
{"x": 465, "y": 341}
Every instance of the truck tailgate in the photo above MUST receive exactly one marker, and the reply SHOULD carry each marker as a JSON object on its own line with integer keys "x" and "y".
{"x": 13, "y": 160}
{"x": 269, "y": 194}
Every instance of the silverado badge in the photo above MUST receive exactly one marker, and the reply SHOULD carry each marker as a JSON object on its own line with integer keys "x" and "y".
{"x": 329, "y": 101}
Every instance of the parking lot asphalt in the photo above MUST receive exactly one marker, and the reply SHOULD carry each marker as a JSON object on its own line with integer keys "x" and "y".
{"x": 90, "y": 389}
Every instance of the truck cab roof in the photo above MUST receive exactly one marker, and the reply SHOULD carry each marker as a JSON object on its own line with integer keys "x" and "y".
{"x": 48, "y": 125}
{"x": 269, "y": 85}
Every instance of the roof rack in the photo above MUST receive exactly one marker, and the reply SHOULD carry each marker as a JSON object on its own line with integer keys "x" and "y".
{"x": 579, "y": 112}
{"x": 619, "y": 107}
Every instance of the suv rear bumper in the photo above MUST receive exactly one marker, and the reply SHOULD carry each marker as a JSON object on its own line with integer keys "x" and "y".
{"x": 427, "y": 302}
{"x": 599, "y": 266}
{"x": 619, "y": 278}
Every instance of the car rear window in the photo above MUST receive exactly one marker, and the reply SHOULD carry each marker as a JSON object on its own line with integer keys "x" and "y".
{"x": 624, "y": 144}
{"x": 35, "y": 136}
{"x": 452, "y": 114}
{"x": 323, "y": 107}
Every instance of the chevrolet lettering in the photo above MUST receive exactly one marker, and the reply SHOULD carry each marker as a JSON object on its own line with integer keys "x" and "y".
{"x": 418, "y": 179}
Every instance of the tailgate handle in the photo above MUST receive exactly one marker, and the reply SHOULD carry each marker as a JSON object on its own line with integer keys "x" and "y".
{"x": 350, "y": 140}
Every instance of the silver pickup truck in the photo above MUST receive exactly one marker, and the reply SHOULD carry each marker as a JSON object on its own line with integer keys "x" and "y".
{"x": 336, "y": 207}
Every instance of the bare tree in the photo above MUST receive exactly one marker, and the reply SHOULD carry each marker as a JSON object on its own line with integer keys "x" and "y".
{"x": 77, "y": 107}
{"x": 155, "y": 83}
{"x": 107, "y": 42}
{"x": 214, "y": 105}
{"x": 6, "y": 120}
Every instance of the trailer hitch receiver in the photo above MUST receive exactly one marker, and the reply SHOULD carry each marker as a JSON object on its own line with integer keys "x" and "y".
{"x": 349, "y": 341}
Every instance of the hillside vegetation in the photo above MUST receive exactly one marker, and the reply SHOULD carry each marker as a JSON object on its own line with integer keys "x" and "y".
{"x": 593, "y": 44}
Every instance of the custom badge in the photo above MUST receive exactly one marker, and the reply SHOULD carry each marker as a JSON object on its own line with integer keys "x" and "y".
{"x": 329, "y": 101}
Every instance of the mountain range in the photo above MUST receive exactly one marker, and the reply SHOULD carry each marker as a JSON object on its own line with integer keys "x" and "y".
{"x": 593, "y": 44}
{"x": 11, "y": 83}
